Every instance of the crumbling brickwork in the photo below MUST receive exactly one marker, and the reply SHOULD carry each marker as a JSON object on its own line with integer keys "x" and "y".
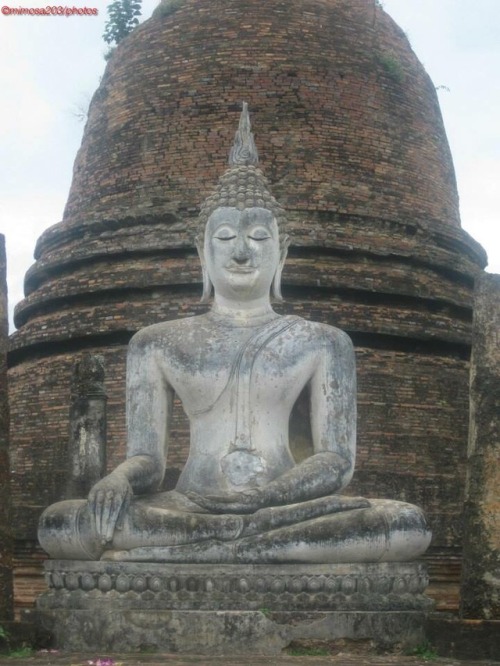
{"x": 350, "y": 135}
{"x": 6, "y": 601}
{"x": 333, "y": 88}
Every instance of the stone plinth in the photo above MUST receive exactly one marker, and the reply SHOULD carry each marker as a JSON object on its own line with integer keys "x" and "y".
{"x": 224, "y": 609}
{"x": 5, "y": 501}
{"x": 481, "y": 568}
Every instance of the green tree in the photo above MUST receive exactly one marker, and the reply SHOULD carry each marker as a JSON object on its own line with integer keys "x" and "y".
{"x": 123, "y": 18}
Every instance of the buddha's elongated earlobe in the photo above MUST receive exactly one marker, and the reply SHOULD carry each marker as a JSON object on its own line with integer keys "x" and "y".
{"x": 207, "y": 283}
{"x": 276, "y": 286}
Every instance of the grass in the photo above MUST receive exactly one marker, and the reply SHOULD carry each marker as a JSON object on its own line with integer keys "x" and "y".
{"x": 424, "y": 651}
{"x": 167, "y": 7}
{"x": 8, "y": 650}
{"x": 392, "y": 66}
{"x": 20, "y": 652}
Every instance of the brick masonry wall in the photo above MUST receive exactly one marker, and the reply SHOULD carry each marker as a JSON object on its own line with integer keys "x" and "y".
{"x": 345, "y": 117}
{"x": 350, "y": 135}
{"x": 6, "y": 599}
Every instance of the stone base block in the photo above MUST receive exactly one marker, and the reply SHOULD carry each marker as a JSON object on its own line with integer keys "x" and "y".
{"x": 464, "y": 639}
{"x": 211, "y": 609}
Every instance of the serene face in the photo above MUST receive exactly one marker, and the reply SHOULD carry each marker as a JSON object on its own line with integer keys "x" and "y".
{"x": 242, "y": 252}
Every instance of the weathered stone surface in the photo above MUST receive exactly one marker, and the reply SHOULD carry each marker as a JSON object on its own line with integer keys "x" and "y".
{"x": 463, "y": 638}
{"x": 6, "y": 607}
{"x": 146, "y": 586}
{"x": 225, "y": 632}
{"x": 481, "y": 573}
{"x": 87, "y": 422}
{"x": 238, "y": 371}
{"x": 189, "y": 608}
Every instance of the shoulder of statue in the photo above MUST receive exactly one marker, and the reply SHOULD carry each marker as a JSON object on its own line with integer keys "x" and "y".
{"x": 319, "y": 332}
{"x": 162, "y": 334}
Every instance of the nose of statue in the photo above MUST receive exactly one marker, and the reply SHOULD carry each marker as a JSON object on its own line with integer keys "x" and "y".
{"x": 241, "y": 253}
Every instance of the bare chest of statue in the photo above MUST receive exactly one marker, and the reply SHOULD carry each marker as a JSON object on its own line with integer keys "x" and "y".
{"x": 238, "y": 390}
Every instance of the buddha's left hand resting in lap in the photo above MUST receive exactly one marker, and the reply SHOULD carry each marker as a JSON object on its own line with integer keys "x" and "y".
{"x": 238, "y": 370}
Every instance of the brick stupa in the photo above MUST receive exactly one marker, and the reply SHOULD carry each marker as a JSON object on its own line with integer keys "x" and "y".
{"x": 350, "y": 136}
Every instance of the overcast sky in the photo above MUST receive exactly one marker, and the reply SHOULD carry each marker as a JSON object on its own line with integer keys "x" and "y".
{"x": 51, "y": 65}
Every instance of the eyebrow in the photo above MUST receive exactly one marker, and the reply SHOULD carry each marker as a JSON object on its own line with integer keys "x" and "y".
{"x": 226, "y": 223}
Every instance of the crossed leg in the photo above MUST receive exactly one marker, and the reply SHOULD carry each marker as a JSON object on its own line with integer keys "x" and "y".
{"x": 169, "y": 527}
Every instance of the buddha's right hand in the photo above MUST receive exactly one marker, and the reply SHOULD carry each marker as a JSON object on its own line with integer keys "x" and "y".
{"x": 108, "y": 502}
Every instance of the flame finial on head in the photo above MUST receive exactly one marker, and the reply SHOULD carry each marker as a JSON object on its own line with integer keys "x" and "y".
{"x": 243, "y": 185}
{"x": 244, "y": 151}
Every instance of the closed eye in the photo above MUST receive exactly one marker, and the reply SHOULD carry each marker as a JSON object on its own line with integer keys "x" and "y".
{"x": 259, "y": 238}
{"x": 225, "y": 238}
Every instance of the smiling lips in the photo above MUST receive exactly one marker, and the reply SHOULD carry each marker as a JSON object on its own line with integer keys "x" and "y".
{"x": 240, "y": 269}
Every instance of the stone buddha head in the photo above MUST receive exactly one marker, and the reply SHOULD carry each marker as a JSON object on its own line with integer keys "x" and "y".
{"x": 241, "y": 249}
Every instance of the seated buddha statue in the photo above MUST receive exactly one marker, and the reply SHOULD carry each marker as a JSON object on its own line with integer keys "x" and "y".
{"x": 238, "y": 371}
